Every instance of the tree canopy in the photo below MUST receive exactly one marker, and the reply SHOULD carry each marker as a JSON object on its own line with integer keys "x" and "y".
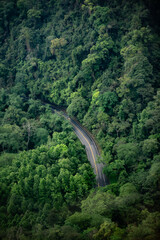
{"x": 99, "y": 60}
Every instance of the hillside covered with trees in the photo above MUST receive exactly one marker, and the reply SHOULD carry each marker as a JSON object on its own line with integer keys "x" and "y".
{"x": 99, "y": 59}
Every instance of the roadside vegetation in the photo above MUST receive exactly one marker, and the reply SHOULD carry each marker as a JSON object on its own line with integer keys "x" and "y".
{"x": 101, "y": 61}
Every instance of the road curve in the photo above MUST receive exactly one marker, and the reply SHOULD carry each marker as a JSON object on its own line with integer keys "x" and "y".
{"x": 87, "y": 140}
{"x": 90, "y": 146}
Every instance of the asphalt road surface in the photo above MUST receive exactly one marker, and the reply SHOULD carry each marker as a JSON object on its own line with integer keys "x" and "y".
{"x": 90, "y": 146}
{"x": 88, "y": 141}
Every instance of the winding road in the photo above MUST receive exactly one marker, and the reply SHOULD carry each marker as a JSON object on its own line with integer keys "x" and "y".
{"x": 87, "y": 140}
{"x": 90, "y": 146}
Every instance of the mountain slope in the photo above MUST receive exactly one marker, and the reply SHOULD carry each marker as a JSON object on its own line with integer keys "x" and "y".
{"x": 100, "y": 60}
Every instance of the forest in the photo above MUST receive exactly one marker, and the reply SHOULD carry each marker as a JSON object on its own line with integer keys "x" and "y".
{"x": 99, "y": 60}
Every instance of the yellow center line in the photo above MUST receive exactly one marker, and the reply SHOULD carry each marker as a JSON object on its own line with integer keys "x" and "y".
{"x": 90, "y": 149}
{"x": 89, "y": 146}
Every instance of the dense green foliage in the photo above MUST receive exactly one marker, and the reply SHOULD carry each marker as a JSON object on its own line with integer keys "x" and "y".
{"x": 100, "y": 60}
{"x": 43, "y": 186}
